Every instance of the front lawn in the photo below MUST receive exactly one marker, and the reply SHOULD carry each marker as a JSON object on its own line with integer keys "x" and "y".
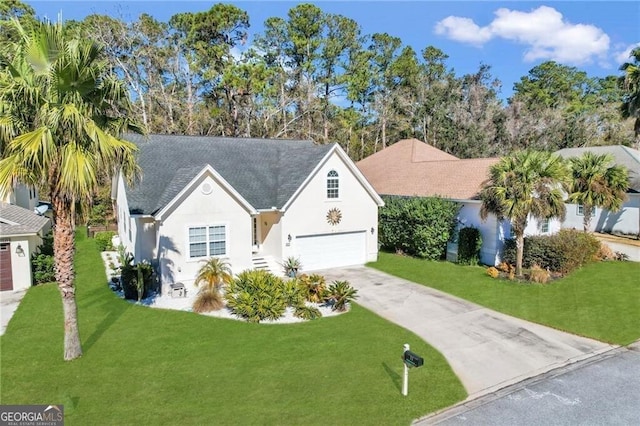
{"x": 600, "y": 300}
{"x": 150, "y": 366}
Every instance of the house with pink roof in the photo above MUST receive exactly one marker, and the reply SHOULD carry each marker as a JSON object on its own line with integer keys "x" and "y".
{"x": 413, "y": 168}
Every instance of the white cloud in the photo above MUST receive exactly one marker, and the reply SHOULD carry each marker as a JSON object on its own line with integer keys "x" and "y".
{"x": 462, "y": 29}
{"x": 623, "y": 54}
{"x": 547, "y": 35}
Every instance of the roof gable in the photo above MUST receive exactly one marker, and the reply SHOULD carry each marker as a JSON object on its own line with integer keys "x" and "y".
{"x": 265, "y": 172}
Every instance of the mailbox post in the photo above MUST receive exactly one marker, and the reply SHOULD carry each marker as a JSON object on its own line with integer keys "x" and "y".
{"x": 410, "y": 359}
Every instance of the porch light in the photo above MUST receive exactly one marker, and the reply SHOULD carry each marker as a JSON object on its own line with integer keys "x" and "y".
{"x": 19, "y": 250}
{"x": 289, "y": 237}
{"x": 372, "y": 230}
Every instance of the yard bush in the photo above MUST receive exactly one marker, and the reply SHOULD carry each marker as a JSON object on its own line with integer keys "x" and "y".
{"x": 137, "y": 280}
{"x": 562, "y": 252}
{"x": 314, "y": 287}
{"x": 42, "y": 262}
{"x": 417, "y": 226}
{"x": 103, "y": 240}
{"x": 43, "y": 267}
{"x": 257, "y": 295}
{"x": 469, "y": 245}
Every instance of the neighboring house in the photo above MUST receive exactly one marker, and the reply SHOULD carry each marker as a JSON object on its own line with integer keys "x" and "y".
{"x": 625, "y": 221}
{"x": 253, "y": 202}
{"x": 21, "y": 233}
{"x": 413, "y": 168}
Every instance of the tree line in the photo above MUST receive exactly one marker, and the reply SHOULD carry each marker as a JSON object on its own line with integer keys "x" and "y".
{"x": 316, "y": 75}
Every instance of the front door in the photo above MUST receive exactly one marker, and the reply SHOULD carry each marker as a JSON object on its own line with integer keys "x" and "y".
{"x": 6, "y": 277}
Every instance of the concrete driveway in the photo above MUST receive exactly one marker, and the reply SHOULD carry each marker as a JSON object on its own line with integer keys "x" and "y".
{"x": 9, "y": 302}
{"x": 486, "y": 349}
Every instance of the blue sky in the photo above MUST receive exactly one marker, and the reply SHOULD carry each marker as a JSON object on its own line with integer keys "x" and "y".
{"x": 511, "y": 36}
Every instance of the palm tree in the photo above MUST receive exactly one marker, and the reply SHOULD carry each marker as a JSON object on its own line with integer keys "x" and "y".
{"x": 60, "y": 114}
{"x": 214, "y": 274}
{"x": 527, "y": 184}
{"x": 597, "y": 183}
{"x": 630, "y": 82}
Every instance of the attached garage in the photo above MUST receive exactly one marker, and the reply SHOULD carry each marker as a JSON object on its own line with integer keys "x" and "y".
{"x": 326, "y": 251}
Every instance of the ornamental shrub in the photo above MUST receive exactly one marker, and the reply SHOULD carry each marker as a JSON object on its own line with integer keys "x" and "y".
{"x": 493, "y": 272}
{"x": 417, "y": 226}
{"x": 578, "y": 247}
{"x": 137, "y": 280}
{"x": 469, "y": 245}
{"x": 562, "y": 252}
{"x": 43, "y": 268}
{"x": 104, "y": 240}
{"x": 257, "y": 295}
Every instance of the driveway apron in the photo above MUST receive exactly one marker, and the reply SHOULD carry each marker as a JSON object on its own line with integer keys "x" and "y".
{"x": 488, "y": 350}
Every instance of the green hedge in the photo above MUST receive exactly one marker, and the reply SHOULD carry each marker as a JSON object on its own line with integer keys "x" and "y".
{"x": 417, "y": 226}
{"x": 469, "y": 245}
{"x": 104, "y": 240}
{"x": 562, "y": 252}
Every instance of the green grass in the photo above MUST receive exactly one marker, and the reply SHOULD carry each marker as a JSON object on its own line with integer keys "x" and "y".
{"x": 600, "y": 300}
{"x": 149, "y": 366}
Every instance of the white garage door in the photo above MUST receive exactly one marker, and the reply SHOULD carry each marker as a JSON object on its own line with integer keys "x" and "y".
{"x": 331, "y": 250}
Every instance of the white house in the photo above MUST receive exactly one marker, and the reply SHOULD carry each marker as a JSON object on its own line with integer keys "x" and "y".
{"x": 253, "y": 202}
{"x": 413, "y": 168}
{"x": 625, "y": 221}
{"x": 21, "y": 233}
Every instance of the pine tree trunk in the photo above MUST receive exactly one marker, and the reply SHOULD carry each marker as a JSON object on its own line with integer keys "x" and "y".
{"x": 63, "y": 251}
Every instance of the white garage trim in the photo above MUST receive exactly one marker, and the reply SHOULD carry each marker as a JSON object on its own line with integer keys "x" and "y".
{"x": 323, "y": 251}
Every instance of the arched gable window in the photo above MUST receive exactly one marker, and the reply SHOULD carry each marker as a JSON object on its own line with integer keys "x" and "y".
{"x": 333, "y": 184}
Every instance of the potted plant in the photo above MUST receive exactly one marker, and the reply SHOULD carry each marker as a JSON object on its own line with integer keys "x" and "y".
{"x": 291, "y": 266}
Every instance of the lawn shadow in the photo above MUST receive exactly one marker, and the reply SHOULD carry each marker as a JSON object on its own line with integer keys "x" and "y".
{"x": 395, "y": 377}
{"x": 115, "y": 309}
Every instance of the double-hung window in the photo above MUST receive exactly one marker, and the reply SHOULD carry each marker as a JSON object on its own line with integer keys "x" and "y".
{"x": 581, "y": 210}
{"x": 333, "y": 184}
{"x": 544, "y": 226}
{"x": 207, "y": 241}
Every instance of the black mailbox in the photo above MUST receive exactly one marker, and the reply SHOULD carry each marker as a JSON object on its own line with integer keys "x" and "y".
{"x": 412, "y": 359}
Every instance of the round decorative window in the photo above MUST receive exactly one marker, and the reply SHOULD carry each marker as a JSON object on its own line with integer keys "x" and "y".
{"x": 334, "y": 216}
{"x": 206, "y": 188}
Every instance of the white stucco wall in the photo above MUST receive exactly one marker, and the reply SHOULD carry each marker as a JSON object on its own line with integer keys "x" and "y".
{"x": 492, "y": 232}
{"x": 307, "y": 213}
{"x": 625, "y": 221}
{"x": 195, "y": 208}
{"x": 271, "y": 236}
{"x": 21, "y": 264}
{"x": 124, "y": 218}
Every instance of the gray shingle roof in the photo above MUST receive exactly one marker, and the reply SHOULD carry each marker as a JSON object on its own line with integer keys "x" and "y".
{"x": 266, "y": 172}
{"x": 26, "y": 222}
{"x": 623, "y": 156}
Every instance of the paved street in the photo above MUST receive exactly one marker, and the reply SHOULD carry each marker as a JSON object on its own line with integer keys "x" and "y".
{"x": 604, "y": 390}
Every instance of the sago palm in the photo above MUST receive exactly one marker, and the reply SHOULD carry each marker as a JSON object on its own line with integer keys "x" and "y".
{"x": 214, "y": 274}
{"x": 526, "y": 184}
{"x": 597, "y": 182}
{"x": 61, "y": 112}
